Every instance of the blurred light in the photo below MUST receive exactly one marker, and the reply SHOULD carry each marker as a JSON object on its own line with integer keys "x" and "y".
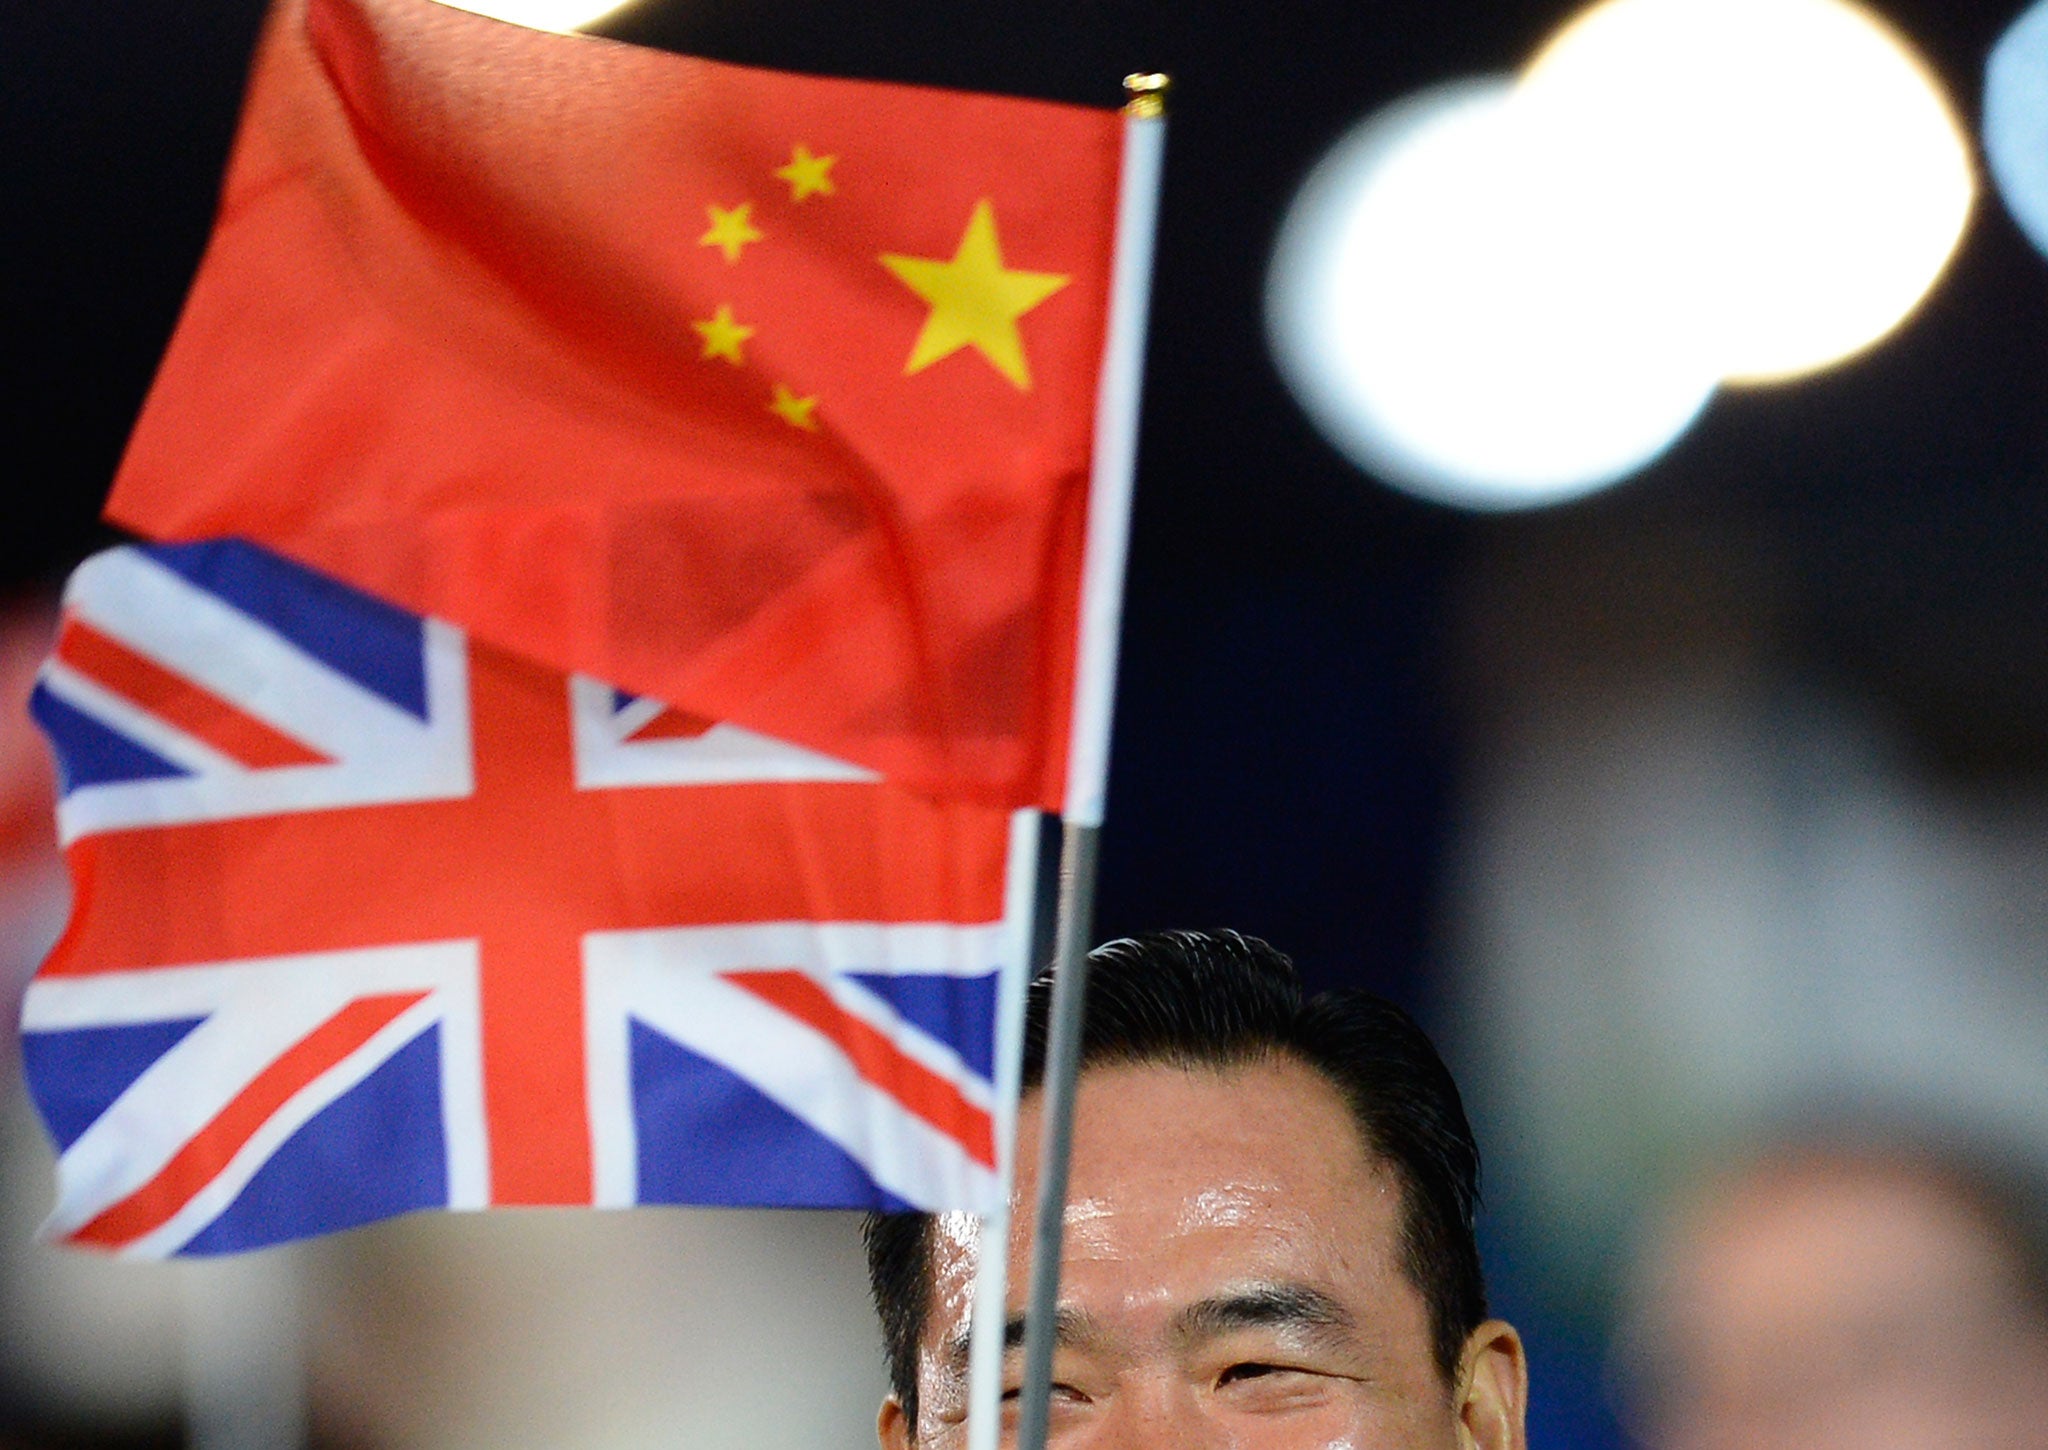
{"x": 1796, "y": 163}
{"x": 2016, "y": 121}
{"x": 557, "y": 15}
{"x": 1499, "y": 295}
{"x": 1452, "y": 328}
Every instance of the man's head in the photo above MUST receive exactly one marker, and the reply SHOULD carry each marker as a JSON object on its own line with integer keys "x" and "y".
{"x": 1866, "y": 1290}
{"x": 1268, "y": 1233}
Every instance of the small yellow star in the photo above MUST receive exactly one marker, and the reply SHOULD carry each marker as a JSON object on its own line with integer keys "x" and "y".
{"x": 723, "y": 336}
{"x": 731, "y": 229}
{"x": 793, "y": 410}
{"x": 808, "y": 175}
{"x": 975, "y": 300}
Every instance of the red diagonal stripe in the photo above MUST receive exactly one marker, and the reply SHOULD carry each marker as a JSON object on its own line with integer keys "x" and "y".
{"x": 877, "y": 1059}
{"x": 673, "y": 724}
{"x": 200, "y": 1161}
{"x": 199, "y": 713}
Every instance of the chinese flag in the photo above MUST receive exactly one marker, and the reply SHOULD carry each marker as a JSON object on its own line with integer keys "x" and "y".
{"x": 767, "y": 395}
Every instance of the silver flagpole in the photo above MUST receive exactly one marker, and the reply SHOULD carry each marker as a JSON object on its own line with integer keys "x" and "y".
{"x": 1109, "y": 517}
{"x": 1062, "y": 1067}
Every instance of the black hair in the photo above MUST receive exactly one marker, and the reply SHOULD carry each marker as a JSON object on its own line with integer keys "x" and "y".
{"x": 1223, "y": 1000}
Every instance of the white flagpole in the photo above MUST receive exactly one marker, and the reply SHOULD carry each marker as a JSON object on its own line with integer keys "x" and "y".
{"x": 1113, "y": 472}
{"x": 991, "y": 1282}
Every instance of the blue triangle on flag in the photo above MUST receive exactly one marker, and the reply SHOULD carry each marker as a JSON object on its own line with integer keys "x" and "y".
{"x": 708, "y": 1136}
{"x": 377, "y": 1150}
{"x": 91, "y": 753}
{"x": 75, "y": 1074}
{"x": 959, "y": 1011}
{"x": 355, "y": 634}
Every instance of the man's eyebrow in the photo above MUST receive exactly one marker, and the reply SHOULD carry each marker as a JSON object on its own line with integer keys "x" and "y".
{"x": 1265, "y": 1306}
{"x": 1069, "y": 1327}
{"x": 1284, "y": 1306}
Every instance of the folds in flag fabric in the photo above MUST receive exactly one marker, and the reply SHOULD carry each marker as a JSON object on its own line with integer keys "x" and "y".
{"x": 768, "y": 396}
{"x": 372, "y": 917}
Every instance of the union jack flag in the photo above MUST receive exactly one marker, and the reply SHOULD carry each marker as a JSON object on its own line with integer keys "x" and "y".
{"x": 373, "y": 918}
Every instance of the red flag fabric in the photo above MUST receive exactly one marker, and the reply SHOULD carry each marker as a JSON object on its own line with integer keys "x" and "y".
{"x": 766, "y": 395}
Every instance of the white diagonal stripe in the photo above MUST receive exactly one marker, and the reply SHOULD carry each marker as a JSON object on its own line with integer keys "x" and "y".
{"x": 159, "y": 613}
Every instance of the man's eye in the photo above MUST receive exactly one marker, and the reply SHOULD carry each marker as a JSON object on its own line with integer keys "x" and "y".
{"x": 1060, "y": 1390}
{"x": 1264, "y": 1386}
{"x": 1251, "y": 1370}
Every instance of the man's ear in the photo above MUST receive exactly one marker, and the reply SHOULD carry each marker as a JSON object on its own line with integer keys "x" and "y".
{"x": 892, "y": 1426}
{"x": 1493, "y": 1389}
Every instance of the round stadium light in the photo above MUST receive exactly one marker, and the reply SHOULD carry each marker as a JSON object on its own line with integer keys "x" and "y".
{"x": 2016, "y": 121}
{"x": 1454, "y": 329}
{"x": 1499, "y": 294}
{"x": 1793, "y": 160}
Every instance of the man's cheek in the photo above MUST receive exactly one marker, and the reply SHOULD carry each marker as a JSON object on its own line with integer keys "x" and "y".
{"x": 941, "y": 1409}
{"x": 941, "y": 1431}
{"x": 1334, "y": 1421}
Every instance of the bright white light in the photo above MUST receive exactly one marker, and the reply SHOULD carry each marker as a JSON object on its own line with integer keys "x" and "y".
{"x": 556, "y": 15}
{"x": 1791, "y": 158}
{"x": 1453, "y": 328}
{"x": 2016, "y": 121}
{"x": 1503, "y": 294}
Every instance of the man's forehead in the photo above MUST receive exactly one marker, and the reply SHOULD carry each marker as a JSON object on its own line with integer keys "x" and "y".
{"x": 1185, "y": 1181}
{"x": 1209, "y": 1134}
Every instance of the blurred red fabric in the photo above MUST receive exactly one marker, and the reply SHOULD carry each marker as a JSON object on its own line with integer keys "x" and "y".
{"x": 447, "y": 344}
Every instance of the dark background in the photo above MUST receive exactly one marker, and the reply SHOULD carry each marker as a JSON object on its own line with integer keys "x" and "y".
{"x": 1300, "y": 687}
{"x": 1289, "y": 732}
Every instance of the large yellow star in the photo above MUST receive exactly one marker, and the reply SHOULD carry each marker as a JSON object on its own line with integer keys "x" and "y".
{"x": 975, "y": 300}
{"x": 808, "y": 175}
{"x": 732, "y": 227}
{"x": 723, "y": 336}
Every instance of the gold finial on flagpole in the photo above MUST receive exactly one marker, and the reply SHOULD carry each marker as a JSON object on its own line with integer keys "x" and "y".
{"x": 1145, "y": 94}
